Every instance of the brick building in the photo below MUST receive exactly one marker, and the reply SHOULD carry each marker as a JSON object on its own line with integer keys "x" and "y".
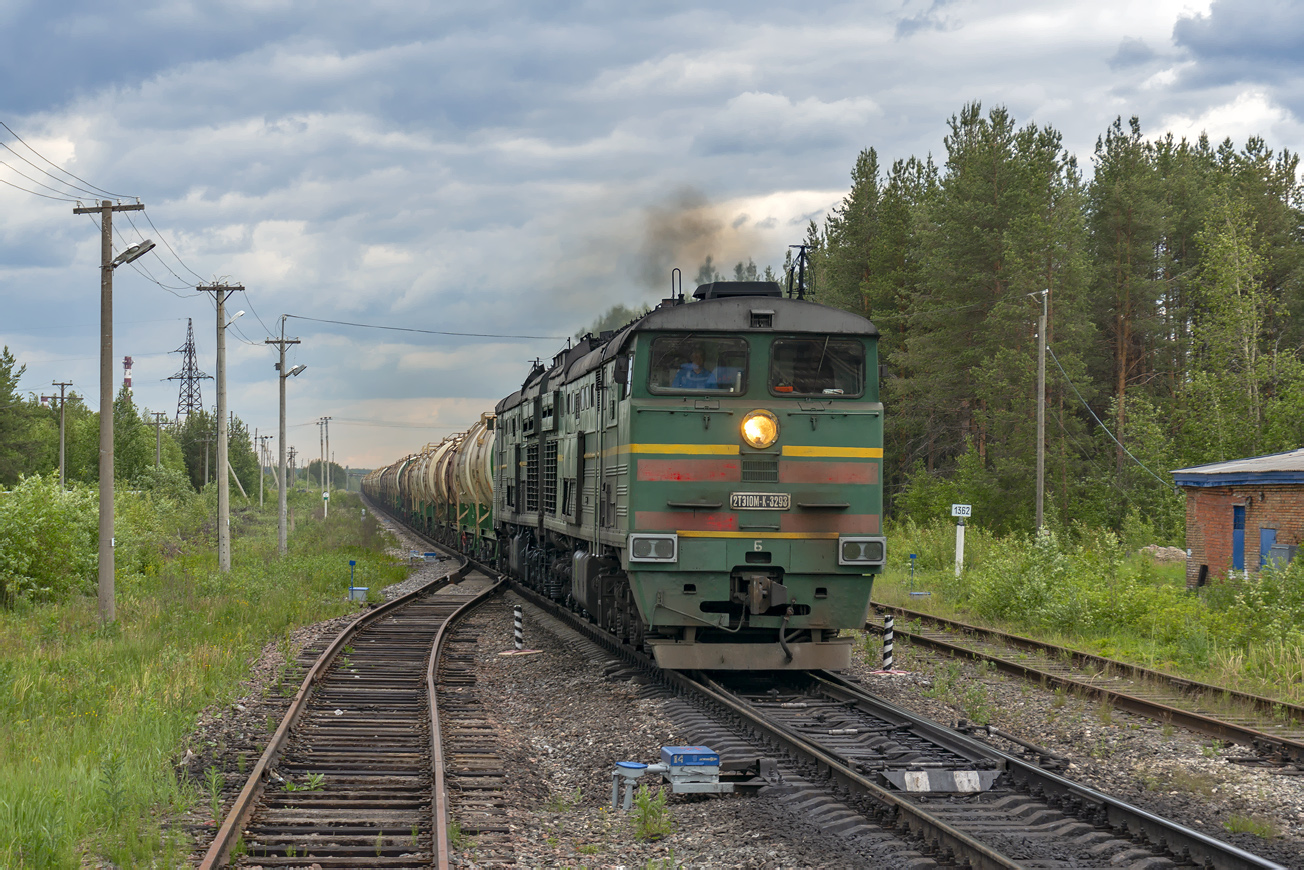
{"x": 1241, "y": 513}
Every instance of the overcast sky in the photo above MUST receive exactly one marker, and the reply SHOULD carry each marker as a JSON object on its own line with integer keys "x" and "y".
{"x": 513, "y": 168}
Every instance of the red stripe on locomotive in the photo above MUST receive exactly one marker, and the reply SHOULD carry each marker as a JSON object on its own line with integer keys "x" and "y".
{"x": 798, "y": 471}
{"x": 691, "y": 470}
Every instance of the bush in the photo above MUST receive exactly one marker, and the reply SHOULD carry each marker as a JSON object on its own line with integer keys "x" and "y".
{"x": 164, "y": 483}
{"x": 48, "y": 540}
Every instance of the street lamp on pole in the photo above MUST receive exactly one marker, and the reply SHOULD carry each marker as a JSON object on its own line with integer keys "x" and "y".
{"x": 108, "y": 263}
{"x": 221, "y": 293}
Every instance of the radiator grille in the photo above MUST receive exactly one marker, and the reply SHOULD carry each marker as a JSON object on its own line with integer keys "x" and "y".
{"x": 760, "y": 471}
{"x": 532, "y": 477}
{"x": 550, "y": 477}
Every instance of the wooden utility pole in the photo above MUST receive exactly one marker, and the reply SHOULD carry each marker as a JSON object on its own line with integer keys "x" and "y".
{"x": 262, "y": 461}
{"x": 282, "y": 532}
{"x": 108, "y": 263}
{"x": 1041, "y": 406}
{"x": 61, "y": 385}
{"x": 207, "y": 441}
{"x": 158, "y": 438}
{"x": 222, "y": 292}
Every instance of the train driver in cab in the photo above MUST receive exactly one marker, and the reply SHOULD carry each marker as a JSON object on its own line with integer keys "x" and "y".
{"x": 694, "y": 375}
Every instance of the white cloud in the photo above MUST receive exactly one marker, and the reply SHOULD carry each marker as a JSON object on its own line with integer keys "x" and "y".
{"x": 475, "y": 168}
{"x": 1249, "y": 113}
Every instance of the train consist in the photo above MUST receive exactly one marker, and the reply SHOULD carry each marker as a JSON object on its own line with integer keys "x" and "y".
{"x": 705, "y": 482}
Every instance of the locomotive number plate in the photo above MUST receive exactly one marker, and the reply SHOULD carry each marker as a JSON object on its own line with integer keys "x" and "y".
{"x": 760, "y": 501}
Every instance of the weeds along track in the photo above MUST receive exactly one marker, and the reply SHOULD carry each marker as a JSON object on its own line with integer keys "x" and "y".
{"x": 353, "y": 775}
{"x": 1272, "y": 730}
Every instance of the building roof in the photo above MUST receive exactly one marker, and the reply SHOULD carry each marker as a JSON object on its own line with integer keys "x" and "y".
{"x": 1278, "y": 468}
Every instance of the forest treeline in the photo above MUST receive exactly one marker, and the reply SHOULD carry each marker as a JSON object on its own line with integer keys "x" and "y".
{"x": 1175, "y": 279}
{"x": 29, "y": 442}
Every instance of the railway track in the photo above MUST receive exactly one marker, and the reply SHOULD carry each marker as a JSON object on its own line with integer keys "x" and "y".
{"x": 953, "y": 800}
{"x": 354, "y": 774}
{"x": 872, "y": 754}
{"x": 1272, "y": 730}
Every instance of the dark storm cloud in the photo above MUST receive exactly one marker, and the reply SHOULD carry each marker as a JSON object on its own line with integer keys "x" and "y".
{"x": 1131, "y": 53}
{"x": 1245, "y": 41}
{"x": 929, "y": 19}
{"x": 497, "y": 165}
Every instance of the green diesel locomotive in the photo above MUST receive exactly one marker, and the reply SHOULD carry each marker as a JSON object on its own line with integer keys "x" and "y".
{"x": 705, "y": 482}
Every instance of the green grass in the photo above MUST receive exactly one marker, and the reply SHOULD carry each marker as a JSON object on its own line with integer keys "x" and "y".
{"x": 651, "y": 818}
{"x": 1239, "y": 824}
{"x": 94, "y": 717}
{"x": 1081, "y": 589}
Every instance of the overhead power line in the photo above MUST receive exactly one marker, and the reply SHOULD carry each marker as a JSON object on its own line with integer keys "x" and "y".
{"x": 61, "y": 169}
{"x": 1166, "y": 483}
{"x": 45, "y": 172}
{"x": 430, "y": 331}
{"x": 37, "y": 193}
{"x": 198, "y": 276}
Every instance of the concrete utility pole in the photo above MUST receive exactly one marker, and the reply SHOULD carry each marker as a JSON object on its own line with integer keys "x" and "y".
{"x": 61, "y": 385}
{"x": 262, "y": 462}
{"x": 207, "y": 441}
{"x": 108, "y": 263}
{"x": 222, "y": 292}
{"x": 281, "y": 523}
{"x": 271, "y": 466}
{"x": 158, "y": 438}
{"x": 321, "y": 453}
{"x": 1041, "y": 406}
{"x": 330, "y": 476}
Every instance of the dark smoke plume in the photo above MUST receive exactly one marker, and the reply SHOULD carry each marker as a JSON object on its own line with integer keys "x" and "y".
{"x": 683, "y": 231}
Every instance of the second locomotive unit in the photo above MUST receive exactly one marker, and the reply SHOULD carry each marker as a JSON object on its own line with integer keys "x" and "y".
{"x": 705, "y": 482}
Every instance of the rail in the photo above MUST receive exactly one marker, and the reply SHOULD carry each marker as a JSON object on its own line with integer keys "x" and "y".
{"x": 1261, "y": 741}
{"x": 219, "y": 851}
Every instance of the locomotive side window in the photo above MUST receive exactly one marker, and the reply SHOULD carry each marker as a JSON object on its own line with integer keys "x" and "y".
{"x": 817, "y": 367}
{"x": 698, "y": 364}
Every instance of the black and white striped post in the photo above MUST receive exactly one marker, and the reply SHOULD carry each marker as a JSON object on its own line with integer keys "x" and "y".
{"x": 520, "y": 634}
{"x": 887, "y": 642}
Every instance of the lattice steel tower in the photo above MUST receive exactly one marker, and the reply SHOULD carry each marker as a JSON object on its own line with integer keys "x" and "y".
{"x": 189, "y": 400}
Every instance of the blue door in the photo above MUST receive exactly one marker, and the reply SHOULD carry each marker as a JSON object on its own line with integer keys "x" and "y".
{"x": 1267, "y": 540}
{"x": 1238, "y": 538}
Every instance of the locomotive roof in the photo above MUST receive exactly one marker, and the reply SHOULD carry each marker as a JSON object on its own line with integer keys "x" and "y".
{"x": 728, "y": 314}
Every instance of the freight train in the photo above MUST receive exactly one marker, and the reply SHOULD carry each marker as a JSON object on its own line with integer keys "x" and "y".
{"x": 705, "y": 483}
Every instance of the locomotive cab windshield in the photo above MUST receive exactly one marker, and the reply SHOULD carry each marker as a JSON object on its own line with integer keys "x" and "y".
{"x": 817, "y": 367}
{"x": 698, "y": 364}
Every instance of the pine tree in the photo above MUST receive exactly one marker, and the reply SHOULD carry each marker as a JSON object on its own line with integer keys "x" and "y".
{"x": 1126, "y": 219}
{"x": 1005, "y": 222}
{"x": 16, "y": 436}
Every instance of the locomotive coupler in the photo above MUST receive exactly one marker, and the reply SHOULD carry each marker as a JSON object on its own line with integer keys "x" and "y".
{"x": 764, "y": 592}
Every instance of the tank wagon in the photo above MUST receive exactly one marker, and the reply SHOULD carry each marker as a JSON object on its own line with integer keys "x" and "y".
{"x": 705, "y": 482}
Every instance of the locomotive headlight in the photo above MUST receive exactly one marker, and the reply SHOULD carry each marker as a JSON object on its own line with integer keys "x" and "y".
{"x": 862, "y": 551}
{"x": 760, "y": 429}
